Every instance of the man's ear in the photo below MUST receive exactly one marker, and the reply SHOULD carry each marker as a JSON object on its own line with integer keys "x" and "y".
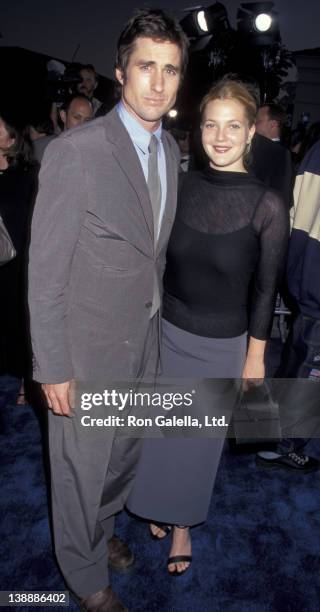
{"x": 274, "y": 124}
{"x": 63, "y": 116}
{"x": 119, "y": 75}
{"x": 252, "y": 131}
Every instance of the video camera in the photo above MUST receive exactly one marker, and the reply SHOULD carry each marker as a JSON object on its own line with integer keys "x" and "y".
{"x": 61, "y": 81}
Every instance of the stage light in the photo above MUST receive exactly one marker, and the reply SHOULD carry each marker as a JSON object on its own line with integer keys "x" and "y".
{"x": 258, "y": 22}
{"x": 194, "y": 24}
{"x": 173, "y": 113}
{"x": 202, "y": 22}
{"x": 262, "y": 22}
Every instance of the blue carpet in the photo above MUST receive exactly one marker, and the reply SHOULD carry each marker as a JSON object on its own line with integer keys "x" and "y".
{"x": 258, "y": 552}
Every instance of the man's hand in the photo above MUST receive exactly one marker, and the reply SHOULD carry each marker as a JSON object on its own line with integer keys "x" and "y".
{"x": 60, "y": 397}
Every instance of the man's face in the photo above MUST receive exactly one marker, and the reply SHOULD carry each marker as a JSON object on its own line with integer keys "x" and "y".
{"x": 88, "y": 83}
{"x": 150, "y": 85}
{"x": 264, "y": 125}
{"x": 78, "y": 112}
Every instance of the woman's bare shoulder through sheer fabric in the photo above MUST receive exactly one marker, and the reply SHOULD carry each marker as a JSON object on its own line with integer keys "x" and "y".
{"x": 215, "y": 202}
{"x": 271, "y": 214}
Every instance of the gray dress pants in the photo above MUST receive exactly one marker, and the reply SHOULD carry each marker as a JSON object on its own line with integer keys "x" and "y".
{"x": 91, "y": 476}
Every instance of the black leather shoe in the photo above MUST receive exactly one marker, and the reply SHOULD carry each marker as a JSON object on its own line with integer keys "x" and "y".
{"x": 102, "y": 601}
{"x": 121, "y": 559}
{"x": 294, "y": 462}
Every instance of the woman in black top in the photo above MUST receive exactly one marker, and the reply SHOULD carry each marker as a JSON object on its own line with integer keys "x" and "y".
{"x": 18, "y": 183}
{"x": 224, "y": 259}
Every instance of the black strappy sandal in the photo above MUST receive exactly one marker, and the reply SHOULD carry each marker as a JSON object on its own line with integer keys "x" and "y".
{"x": 179, "y": 558}
{"x": 166, "y": 528}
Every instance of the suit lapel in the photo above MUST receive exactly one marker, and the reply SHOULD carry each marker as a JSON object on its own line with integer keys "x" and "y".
{"x": 127, "y": 158}
{"x": 125, "y": 154}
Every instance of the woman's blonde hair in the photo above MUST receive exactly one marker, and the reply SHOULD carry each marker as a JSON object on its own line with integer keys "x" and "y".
{"x": 229, "y": 89}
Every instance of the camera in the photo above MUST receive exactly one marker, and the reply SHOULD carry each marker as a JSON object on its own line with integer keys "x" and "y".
{"x": 61, "y": 81}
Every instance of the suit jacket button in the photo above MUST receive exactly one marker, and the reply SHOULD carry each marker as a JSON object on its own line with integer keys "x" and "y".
{"x": 148, "y": 304}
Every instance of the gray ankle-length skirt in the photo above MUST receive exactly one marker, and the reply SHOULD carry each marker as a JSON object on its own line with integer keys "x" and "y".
{"x": 175, "y": 476}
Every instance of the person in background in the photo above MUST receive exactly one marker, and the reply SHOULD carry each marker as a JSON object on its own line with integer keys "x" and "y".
{"x": 88, "y": 85}
{"x": 301, "y": 356}
{"x": 18, "y": 185}
{"x": 41, "y": 132}
{"x": 271, "y": 162}
{"x": 75, "y": 111}
{"x": 270, "y": 121}
{"x": 311, "y": 136}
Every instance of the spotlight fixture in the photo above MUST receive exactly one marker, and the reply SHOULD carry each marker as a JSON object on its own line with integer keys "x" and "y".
{"x": 202, "y": 21}
{"x": 258, "y": 22}
{"x": 194, "y": 23}
{"x": 262, "y": 22}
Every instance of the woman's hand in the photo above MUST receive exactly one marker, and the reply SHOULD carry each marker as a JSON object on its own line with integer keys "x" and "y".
{"x": 254, "y": 368}
{"x": 253, "y": 373}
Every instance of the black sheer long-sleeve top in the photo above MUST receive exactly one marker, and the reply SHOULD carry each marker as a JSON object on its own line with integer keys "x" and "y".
{"x": 225, "y": 256}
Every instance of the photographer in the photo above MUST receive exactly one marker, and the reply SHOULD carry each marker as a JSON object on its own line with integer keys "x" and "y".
{"x": 62, "y": 83}
{"x": 88, "y": 85}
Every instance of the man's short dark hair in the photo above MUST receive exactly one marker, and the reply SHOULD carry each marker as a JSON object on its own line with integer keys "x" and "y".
{"x": 154, "y": 24}
{"x": 276, "y": 113}
{"x": 89, "y": 67}
{"x": 40, "y": 119}
{"x": 77, "y": 96}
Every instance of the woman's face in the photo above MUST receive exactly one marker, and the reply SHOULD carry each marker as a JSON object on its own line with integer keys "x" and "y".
{"x": 226, "y": 134}
{"x": 5, "y": 140}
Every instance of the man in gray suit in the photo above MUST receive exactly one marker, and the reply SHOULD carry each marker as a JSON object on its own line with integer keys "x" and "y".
{"x": 101, "y": 224}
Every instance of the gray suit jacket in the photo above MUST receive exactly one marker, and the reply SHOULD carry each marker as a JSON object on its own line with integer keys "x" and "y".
{"x": 92, "y": 255}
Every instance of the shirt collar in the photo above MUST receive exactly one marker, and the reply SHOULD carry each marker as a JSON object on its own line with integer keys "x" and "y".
{"x": 139, "y": 135}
